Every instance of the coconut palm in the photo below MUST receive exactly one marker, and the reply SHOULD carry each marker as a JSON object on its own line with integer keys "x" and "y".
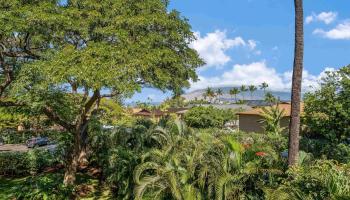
{"x": 270, "y": 98}
{"x": 234, "y": 92}
{"x": 296, "y": 84}
{"x": 263, "y": 87}
{"x": 209, "y": 93}
{"x": 219, "y": 92}
{"x": 252, "y": 89}
{"x": 243, "y": 89}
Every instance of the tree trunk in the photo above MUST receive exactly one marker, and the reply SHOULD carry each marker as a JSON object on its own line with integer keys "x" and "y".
{"x": 83, "y": 155}
{"x": 294, "y": 127}
{"x": 72, "y": 161}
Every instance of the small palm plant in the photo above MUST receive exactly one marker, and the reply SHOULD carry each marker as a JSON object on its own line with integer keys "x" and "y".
{"x": 168, "y": 171}
{"x": 272, "y": 117}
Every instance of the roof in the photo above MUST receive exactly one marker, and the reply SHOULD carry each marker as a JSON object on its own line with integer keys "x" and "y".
{"x": 145, "y": 112}
{"x": 135, "y": 110}
{"x": 283, "y": 106}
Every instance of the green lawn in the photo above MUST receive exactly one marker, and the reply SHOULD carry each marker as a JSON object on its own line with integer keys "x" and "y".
{"x": 48, "y": 182}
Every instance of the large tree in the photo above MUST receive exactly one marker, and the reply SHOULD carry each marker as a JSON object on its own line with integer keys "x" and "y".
{"x": 294, "y": 128}
{"x": 109, "y": 49}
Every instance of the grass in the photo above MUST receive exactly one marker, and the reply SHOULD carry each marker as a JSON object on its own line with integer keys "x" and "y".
{"x": 9, "y": 187}
{"x": 87, "y": 187}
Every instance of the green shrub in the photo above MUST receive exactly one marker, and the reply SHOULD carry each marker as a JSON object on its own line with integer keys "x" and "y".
{"x": 25, "y": 163}
{"x": 322, "y": 148}
{"x": 321, "y": 180}
{"x": 10, "y": 136}
{"x": 13, "y": 163}
{"x": 327, "y": 112}
{"x": 207, "y": 117}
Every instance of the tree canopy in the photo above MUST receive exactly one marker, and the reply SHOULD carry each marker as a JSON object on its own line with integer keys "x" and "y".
{"x": 68, "y": 57}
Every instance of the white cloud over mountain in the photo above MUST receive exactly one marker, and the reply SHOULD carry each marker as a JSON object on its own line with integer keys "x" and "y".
{"x": 325, "y": 17}
{"x": 254, "y": 74}
{"x": 341, "y": 31}
{"x": 213, "y": 46}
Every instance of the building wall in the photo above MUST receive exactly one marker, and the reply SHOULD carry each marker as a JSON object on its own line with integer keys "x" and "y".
{"x": 250, "y": 123}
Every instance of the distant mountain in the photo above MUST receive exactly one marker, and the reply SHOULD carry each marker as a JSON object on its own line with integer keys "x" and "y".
{"x": 257, "y": 95}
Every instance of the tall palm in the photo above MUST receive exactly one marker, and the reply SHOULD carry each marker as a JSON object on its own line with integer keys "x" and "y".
{"x": 234, "y": 92}
{"x": 270, "y": 98}
{"x": 263, "y": 87}
{"x": 209, "y": 93}
{"x": 219, "y": 92}
{"x": 252, "y": 89}
{"x": 294, "y": 127}
{"x": 243, "y": 89}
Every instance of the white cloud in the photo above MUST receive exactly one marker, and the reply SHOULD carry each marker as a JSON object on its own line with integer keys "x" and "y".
{"x": 325, "y": 17}
{"x": 256, "y": 73}
{"x": 341, "y": 31}
{"x": 251, "y": 44}
{"x": 213, "y": 46}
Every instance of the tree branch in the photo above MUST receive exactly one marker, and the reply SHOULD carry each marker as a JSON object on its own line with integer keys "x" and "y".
{"x": 49, "y": 112}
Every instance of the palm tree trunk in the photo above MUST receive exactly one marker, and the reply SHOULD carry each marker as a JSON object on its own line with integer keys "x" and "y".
{"x": 294, "y": 127}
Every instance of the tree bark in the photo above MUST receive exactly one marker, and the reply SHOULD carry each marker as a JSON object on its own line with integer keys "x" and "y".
{"x": 72, "y": 161}
{"x": 83, "y": 154}
{"x": 80, "y": 137}
{"x": 294, "y": 127}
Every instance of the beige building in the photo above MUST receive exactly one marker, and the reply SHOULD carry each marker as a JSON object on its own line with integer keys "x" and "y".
{"x": 249, "y": 120}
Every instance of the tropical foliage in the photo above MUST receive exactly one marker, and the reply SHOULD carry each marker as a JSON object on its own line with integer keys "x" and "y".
{"x": 208, "y": 117}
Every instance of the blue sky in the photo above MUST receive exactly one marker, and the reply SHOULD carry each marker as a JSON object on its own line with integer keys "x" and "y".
{"x": 250, "y": 41}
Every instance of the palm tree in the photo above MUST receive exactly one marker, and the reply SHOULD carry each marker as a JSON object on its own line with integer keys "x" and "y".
{"x": 219, "y": 92}
{"x": 243, "y": 89}
{"x": 294, "y": 127}
{"x": 234, "y": 92}
{"x": 269, "y": 98}
{"x": 252, "y": 89}
{"x": 204, "y": 96}
{"x": 209, "y": 93}
{"x": 263, "y": 86}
